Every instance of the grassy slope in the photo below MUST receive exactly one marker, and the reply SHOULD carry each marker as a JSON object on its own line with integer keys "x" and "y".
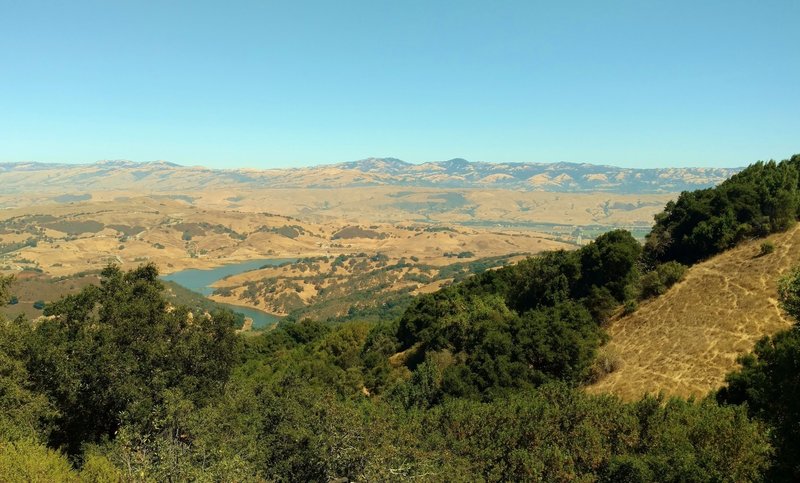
{"x": 686, "y": 341}
{"x": 29, "y": 287}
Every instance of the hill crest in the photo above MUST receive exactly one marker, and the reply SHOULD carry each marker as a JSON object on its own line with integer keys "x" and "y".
{"x": 159, "y": 176}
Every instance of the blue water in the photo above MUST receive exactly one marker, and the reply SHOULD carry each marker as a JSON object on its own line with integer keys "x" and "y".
{"x": 200, "y": 281}
{"x": 260, "y": 319}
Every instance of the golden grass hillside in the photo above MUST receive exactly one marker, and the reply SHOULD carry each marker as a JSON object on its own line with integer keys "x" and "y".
{"x": 69, "y": 238}
{"x": 685, "y": 342}
{"x": 391, "y": 204}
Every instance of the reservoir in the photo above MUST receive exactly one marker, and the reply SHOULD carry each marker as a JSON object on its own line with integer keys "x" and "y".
{"x": 200, "y": 281}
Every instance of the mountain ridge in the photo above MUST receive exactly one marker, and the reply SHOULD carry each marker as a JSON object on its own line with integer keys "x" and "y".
{"x": 368, "y": 172}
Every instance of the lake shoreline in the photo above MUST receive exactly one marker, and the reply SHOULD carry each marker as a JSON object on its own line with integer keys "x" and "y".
{"x": 202, "y": 281}
{"x": 226, "y": 301}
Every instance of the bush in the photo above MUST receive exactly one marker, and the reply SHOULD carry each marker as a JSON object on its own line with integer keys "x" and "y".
{"x": 656, "y": 282}
{"x": 671, "y": 273}
{"x": 28, "y": 461}
{"x": 651, "y": 285}
{"x": 789, "y": 291}
{"x": 606, "y": 361}
{"x": 766, "y": 248}
{"x": 97, "y": 469}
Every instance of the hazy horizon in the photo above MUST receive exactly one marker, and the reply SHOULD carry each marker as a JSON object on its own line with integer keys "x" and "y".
{"x": 315, "y": 165}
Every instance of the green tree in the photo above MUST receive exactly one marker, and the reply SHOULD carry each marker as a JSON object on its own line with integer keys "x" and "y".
{"x": 611, "y": 262}
{"x": 24, "y": 413}
{"x": 109, "y": 355}
{"x": 762, "y": 199}
{"x": 769, "y": 382}
{"x": 5, "y": 286}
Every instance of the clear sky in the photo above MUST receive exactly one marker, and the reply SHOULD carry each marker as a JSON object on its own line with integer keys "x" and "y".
{"x": 640, "y": 83}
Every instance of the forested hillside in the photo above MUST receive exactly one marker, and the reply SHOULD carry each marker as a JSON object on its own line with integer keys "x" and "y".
{"x": 763, "y": 198}
{"x": 480, "y": 381}
{"x": 130, "y": 390}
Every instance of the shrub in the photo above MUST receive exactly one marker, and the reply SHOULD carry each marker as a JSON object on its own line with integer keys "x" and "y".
{"x": 29, "y": 461}
{"x": 671, "y": 273}
{"x": 98, "y": 468}
{"x": 606, "y": 361}
{"x": 656, "y": 282}
{"x": 766, "y": 248}
{"x": 651, "y": 285}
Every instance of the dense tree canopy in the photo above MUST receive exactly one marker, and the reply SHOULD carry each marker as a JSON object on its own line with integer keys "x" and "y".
{"x": 536, "y": 321}
{"x": 110, "y": 356}
{"x": 761, "y": 199}
{"x": 135, "y": 389}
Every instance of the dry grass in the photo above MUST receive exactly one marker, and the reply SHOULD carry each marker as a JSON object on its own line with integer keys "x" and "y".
{"x": 176, "y": 236}
{"x": 395, "y": 204}
{"x": 147, "y": 229}
{"x": 685, "y": 342}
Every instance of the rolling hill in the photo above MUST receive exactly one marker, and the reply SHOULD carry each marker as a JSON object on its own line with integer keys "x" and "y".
{"x": 161, "y": 176}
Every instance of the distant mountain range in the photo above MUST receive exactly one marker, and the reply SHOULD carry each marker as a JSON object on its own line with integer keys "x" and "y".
{"x": 161, "y": 176}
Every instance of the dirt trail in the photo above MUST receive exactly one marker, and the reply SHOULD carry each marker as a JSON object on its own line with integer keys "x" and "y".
{"x": 686, "y": 341}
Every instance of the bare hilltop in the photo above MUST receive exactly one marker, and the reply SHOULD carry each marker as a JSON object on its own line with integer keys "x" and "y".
{"x": 162, "y": 176}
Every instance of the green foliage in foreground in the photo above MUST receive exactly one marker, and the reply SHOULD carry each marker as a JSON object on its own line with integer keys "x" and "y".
{"x": 769, "y": 382}
{"x": 26, "y": 460}
{"x": 113, "y": 355}
{"x": 133, "y": 391}
{"x": 278, "y": 428}
{"x": 523, "y": 325}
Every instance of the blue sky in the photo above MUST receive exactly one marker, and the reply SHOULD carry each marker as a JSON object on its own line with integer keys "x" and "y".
{"x": 266, "y": 84}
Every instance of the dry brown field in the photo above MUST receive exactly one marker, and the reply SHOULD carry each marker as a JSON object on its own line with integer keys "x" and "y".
{"x": 392, "y": 204}
{"x": 69, "y": 238}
